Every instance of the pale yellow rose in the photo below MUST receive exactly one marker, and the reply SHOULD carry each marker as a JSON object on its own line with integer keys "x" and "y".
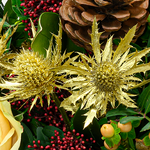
{"x": 10, "y": 129}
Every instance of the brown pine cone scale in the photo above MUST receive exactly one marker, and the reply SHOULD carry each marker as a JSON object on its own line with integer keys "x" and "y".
{"x": 115, "y": 17}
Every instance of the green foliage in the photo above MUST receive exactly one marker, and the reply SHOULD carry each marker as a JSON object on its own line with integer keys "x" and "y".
{"x": 121, "y": 111}
{"x": 143, "y": 97}
{"x": 93, "y": 130}
{"x": 48, "y": 23}
{"x": 49, "y": 131}
{"x": 146, "y": 140}
{"x": 130, "y": 118}
{"x": 27, "y": 137}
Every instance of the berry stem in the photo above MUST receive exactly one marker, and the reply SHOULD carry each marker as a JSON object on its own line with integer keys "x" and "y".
{"x": 62, "y": 111}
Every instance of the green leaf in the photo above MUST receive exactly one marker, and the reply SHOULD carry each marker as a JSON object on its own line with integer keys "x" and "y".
{"x": 121, "y": 110}
{"x": 147, "y": 105}
{"x": 33, "y": 124}
{"x": 146, "y": 127}
{"x": 131, "y": 143}
{"x": 109, "y": 142}
{"x": 10, "y": 13}
{"x": 93, "y": 130}
{"x": 48, "y": 23}
{"x": 19, "y": 117}
{"x": 146, "y": 141}
{"x": 115, "y": 126}
{"x": 26, "y": 137}
{"x": 40, "y": 135}
{"x": 102, "y": 121}
{"x": 116, "y": 139}
{"x": 143, "y": 97}
{"x": 130, "y": 118}
{"x": 124, "y": 135}
{"x": 136, "y": 123}
{"x": 6, "y": 24}
{"x": 49, "y": 131}
{"x": 73, "y": 47}
{"x": 132, "y": 134}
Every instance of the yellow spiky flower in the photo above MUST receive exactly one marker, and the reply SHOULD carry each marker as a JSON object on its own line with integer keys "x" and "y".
{"x": 106, "y": 77}
{"x": 33, "y": 75}
{"x": 5, "y": 65}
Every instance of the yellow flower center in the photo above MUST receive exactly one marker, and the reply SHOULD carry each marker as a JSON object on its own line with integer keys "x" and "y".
{"x": 107, "y": 77}
{"x": 32, "y": 69}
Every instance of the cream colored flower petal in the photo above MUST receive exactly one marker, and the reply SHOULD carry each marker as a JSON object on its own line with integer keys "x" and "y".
{"x": 95, "y": 36}
{"x": 89, "y": 100}
{"x": 131, "y": 78}
{"x": 135, "y": 58}
{"x": 2, "y": 22}
{"x": 123, "y": 58}
{"x": 124, "y": 44}
{"x": 90, "y": 116}
{"x": 88, "y": 58}
{"x": 10, "y": 85}
{"x": 107, "y": 53}
{"x": 139, "y": 54}
{"x": 8, "y": 136}
{"x": 34, "y": 102}
{"x": 141, "y": 84}
{"x": 33, "y": 28}
{"x": 72, "y": 68}
{"x": 6, "y": 109}
{"x": 70, "y": 100}
{"x": 138, "y": 68}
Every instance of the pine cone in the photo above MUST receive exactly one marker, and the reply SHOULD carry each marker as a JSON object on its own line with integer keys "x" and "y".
{"x": 115, "y": 17}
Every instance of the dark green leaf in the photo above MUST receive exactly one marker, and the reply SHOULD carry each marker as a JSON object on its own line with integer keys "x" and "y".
{"x": 40, "y": 134}
{"x": 124, "y": 135}
{"x": 6, "y": 24}
{"x": 49, "y": 131}
{"x": 136, "y": 123}
{"x": 147, "y": 105}
{"x": 130, "y": 118}
{"x": 131, "y": 143}
{"x": 10, "y": 13}
{"x": 93, "y": 130}
{"x": 48, "y": 23}
{"x": 73, "y": 47}
{"x": 143, "y": 97}
{"x": 27, "y": 137}
{"x": 102, "y": 121}
{"x": 132, "y": 134}
{"x": 146, "y": 127}
{"x": 121, "y": 110}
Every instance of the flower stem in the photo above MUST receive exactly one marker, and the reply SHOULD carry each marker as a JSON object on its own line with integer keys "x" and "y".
{"x": 62, "y": 111}
{"x": 145, "y": 116}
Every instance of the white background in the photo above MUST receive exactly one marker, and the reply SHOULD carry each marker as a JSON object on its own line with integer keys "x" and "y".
{"x": 4, "y": 1}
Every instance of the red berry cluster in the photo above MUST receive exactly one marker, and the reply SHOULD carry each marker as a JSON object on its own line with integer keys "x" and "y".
{"x": 70, "y": 141}
{"x": 34, "y": 8}
{"x": 48, "y": 115}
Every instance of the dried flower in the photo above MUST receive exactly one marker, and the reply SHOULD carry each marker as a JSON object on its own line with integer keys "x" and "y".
{"x": 106, "y": 77}
{"x": 5, "y": 65}
{"x": 33, "y": 75}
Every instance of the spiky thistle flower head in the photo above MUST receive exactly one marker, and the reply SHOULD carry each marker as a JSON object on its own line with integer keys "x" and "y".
{"x": 106, "y": 77}
{"x": 33, "y": 75}
{"x": 5, "y": 66}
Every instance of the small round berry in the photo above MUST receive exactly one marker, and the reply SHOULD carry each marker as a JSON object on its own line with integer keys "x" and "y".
{"x": 107, "y": 130}
{"x": 125, "y": 127}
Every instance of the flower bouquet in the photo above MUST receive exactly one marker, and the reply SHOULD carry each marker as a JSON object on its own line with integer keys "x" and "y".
{"x": 74, "y": 75}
